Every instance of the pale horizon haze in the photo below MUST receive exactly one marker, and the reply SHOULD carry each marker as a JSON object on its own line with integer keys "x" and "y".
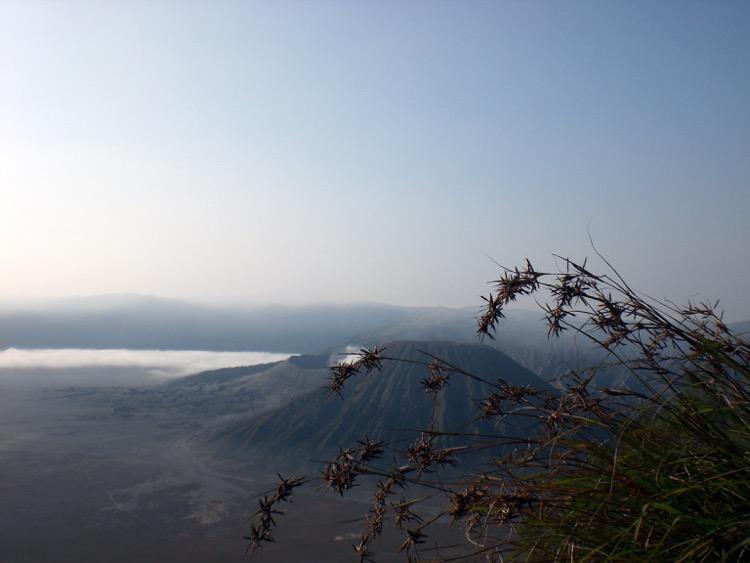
{"x": 304, "y": 152}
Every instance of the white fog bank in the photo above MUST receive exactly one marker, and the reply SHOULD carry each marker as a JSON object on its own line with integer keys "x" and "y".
{"x": 165, "y": 363}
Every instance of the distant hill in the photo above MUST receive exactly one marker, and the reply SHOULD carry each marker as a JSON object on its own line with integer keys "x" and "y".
{"x": 144, "y": 322}
{"x": 383, "y": 405}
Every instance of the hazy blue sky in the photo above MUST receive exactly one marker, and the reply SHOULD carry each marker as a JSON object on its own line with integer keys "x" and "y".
{"x": 370, "y": 151}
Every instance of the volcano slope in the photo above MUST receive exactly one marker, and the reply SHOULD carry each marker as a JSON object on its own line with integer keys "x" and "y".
{"x": 389, "y": 405}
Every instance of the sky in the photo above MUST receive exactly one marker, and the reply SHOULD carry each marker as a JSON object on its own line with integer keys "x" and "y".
{"x": 302, "y": 152}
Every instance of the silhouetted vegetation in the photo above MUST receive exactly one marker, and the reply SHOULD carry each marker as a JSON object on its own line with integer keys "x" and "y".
{"x": 654, "y": 469}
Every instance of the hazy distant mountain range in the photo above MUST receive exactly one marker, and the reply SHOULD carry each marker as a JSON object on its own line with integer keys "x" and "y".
{"x": 145, "y": 322}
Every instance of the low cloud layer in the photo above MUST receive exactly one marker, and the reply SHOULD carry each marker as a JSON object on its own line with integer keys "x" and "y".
{"x": 165, "y": 363}
{"x": 348, "y": 354}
